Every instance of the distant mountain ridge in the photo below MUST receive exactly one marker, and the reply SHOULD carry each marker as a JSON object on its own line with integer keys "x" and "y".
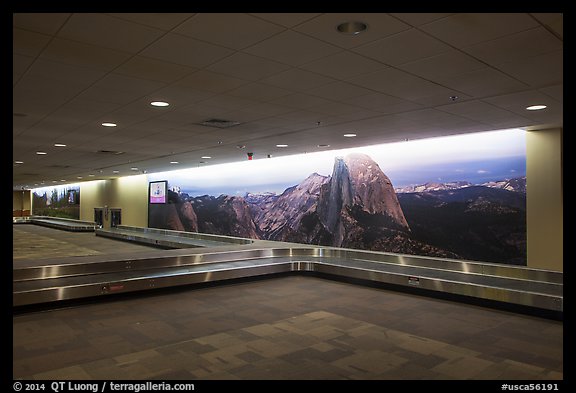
{"x": 358, "y": 207}
{"x": 517, "y": 184}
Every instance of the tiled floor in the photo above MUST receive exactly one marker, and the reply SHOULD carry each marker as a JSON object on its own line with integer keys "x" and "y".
{"x": 37, "y": 242}
{"x": 285, "y": 328}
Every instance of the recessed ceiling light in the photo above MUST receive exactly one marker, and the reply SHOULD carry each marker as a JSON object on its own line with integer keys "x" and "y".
{"x": 41, "y": 153}
{"x": 18, "y": 162}
{"x": 54, "y": 181}
{"x": 174, "y": 162}
{"x": 349, "y": 135}
{"x": 91, "y": 175}
{"x": 59, "y": 145}
{"x": 133, "y": 168}
{"x": 281, "y": 145}
{"x": 109, "y": 124}
{"x": 206, "y": 157}
{"x": 62, "y": 180}
{"x": 323, "y": 145}
{"x": 352, "y": 28}
{"x": 78, "y": 177}
{"x": 115, "y": 171}
{"x": 159, "y": 103}
{"x": 536, "y": 107}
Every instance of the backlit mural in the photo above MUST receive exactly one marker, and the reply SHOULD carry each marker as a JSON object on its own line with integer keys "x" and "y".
{"x": 58, "y": 201}
{"x": 457, "y": 197}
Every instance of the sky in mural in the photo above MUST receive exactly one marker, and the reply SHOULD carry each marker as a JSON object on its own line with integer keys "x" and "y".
{"x": 476, "y": 158}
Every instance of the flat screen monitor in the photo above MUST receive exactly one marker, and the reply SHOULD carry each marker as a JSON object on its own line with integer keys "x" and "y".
{"x": 158, "y": 192}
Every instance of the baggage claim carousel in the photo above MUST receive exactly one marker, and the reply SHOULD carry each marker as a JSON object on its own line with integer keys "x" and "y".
{"x": 194, "y": 259}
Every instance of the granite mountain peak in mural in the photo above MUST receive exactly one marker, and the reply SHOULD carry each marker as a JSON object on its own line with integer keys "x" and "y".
{"x": 357, "y": 207}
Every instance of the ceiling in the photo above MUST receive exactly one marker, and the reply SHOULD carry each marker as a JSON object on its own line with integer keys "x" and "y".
{"x": 287, "y": 78}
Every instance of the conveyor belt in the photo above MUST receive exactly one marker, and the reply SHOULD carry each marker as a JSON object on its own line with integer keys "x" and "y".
{"x": 160, "y": 238}
{"x": 515, "y": 285}
{"x": 59, "y": 223}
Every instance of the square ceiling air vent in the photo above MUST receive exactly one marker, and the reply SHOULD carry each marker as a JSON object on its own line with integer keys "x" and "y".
{"x": 219, "y": 123}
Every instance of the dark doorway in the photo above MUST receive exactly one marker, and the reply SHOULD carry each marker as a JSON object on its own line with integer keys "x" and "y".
{"x": 115, "y": 217}
{"x": 99, "y": 217}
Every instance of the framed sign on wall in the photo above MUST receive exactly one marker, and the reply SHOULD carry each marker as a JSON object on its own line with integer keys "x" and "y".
{"x": 158, "y": 192}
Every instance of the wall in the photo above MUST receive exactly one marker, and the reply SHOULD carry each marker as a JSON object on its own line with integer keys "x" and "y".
{"x": 544, "y": 201}
{"x": 131, "y": 195}
{"x": 127, "y": 193}
{"x": 92, "y": 194}
{"x": 21, "y": 203}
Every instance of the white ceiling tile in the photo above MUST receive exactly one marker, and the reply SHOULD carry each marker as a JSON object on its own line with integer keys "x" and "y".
{"x": 186, "y": 51}
{"x": 442, "y": 65}
{"x": 147, "y": 68}
{"x": 483, "y": 112}
{"x": 228, "y": 102}
{"x": 242, "y": 30}
{"x": 259, "y": 91}
{"x": 338, "y": 108}
{"x": 303, "y": 116}
{"x": 324, "y": 27}
{"x": 417, "y": 19}
{"x": 109, "y": 32}
{"x": 285, "y": 18}
{"x": 105, "y": 94}
{"x": 45, "y": 23}
{"x": 383, "y": 103}
{"x": 482, "y": 83}
{"x": 248, "y": 67}
{"x": 403, "y": 47}
{"x": 211, "y": 81}
{"x": 290, "y": 47}
{"x": 537, "y": 71}
{"x": 400, "y": 84}
{"x": 46, "y": 71}
{"x": 52, "y": 92}
{"x": 68, "y": 87}
{"x": 556, "y": 92}
{"x": 200, "y": 112}
{"x": 142, "y": 130}
{"x": 114, "y": 85}
{"x": 76, "y": 53}
{"x": 517, "y": 102}
{"x": 467, "y": 29}
{"x": 81, "y": 111}
{"x": 28, "y": 43}
{"x": 298, "y": 80}
{"x": 179, "y": 96}
{"x": 343, "y": 65}
{"x": 20, "y": 64}
{"x": 33, "y": 105}
{"x": 299, "y": 100}
{"x": 553, "y": 21}
{"x": 162, "y": 21}
{"x": 515, "y": 47}
{"x": 259, "y": 111}
{"x": 339, "y": 91}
